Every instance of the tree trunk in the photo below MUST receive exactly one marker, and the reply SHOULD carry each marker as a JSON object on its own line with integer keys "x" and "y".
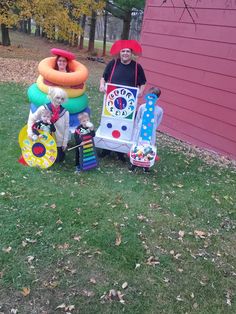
{"x": 21, "y": 26}
{"x": 25, "y": 23}
{"x": 5, "y": 35}
{"x": 92, "y": 32}
{"x": 126, "y": 26}
{"x": 29, "y": 26}
{"x": 37, "y": 31}
{"x": 75, "y": 40}
{"x": 81, "y": 40}
{"x": 105, "y": 34}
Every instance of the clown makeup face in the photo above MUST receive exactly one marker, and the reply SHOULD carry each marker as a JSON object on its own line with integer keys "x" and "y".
{"x": 62, "y": 64}
{"x": 125, "y": 55}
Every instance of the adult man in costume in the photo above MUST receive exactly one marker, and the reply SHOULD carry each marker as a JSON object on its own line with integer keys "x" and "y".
{"x": 123, "y": 70}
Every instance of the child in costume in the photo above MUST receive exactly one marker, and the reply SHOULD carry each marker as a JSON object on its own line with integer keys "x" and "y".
{"x": 60, "y": 118}
{"x": 158, "y": 115}
{"x": 43, "y": 124}
{"x": 85, "y": 129}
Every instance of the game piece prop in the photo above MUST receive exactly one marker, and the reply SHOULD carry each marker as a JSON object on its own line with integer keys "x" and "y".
{"x": 143, "y": 154}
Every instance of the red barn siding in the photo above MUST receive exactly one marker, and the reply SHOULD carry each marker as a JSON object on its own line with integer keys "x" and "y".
{"x": 194, "y": 65}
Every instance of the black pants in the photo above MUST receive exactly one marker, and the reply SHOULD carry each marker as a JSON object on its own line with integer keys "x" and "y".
{"x": 60, "y": 154}
{"x": 77, "y": 156}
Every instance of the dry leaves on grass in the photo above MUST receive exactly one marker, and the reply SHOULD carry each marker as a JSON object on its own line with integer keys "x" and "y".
{"x": 18, "y": 71}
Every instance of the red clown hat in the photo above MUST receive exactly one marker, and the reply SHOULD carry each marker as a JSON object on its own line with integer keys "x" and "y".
{"x": 122, "y": 44}
{"x": 63, "y": 53}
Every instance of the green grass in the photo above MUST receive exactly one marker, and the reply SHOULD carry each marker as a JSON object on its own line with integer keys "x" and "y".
{"x": 43, "y": 210}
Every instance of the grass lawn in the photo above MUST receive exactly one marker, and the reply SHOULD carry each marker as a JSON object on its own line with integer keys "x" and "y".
{"x": 110, "y": 241}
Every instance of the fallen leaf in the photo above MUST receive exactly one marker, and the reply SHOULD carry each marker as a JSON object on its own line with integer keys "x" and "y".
{"x": 124, "y": 285}
{"x": 181, "y": 235}
{"x": 178, "y": 298}
{"x": 228, "y": 298}
{"x": 24, "y": 243}
{"x": 88, "y": 293}
{"x": 195, "y": 305}
{"x": 7, "y": 249}
{"x": 92, "y": 280}
{"x": 64, "y": 246}
{"x": 200, "y": 234}
{"x": 152, "y": 261}
{"x": 120, "y": 297}
{"x": 61, "y": 306}
{"x": 154, "y": 206}
{"x": 166, "y": 280}
{"x": 70, "y": 308}
{"x": 30, "y": 258}
{"x": 141, "y": 217}
{"x": 177, "y": 256}
{"x": 118, "y": 239}
{"x": 77, "y": 238}
{"x": 30, "y": 240}
{"x": 25, "y": 291}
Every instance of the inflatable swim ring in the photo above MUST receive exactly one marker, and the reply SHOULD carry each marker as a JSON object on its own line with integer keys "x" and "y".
{"x": 73, "y": 105}
{"x": 71, "y": 92}
{"x": 78, "y": 74}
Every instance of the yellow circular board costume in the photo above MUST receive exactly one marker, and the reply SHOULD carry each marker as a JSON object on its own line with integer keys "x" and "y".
{"x": 22, "y": 135}
{"x": 41, "y": 153}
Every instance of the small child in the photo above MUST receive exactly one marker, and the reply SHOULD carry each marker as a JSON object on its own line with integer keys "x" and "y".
{"x": 60, "y": 118}
{"x": 44, "y": 124}
{"x": 158, "y": 115}
{"x": 84, "y": 129}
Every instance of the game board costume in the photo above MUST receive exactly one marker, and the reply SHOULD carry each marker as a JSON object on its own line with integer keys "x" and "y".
{"x": 60, "y": 118}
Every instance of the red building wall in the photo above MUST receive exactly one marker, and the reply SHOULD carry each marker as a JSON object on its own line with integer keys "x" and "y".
{"x": 194, "y": 64}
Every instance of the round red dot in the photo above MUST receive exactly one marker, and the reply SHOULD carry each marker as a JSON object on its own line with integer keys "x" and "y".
{"x": 116, "y": 134}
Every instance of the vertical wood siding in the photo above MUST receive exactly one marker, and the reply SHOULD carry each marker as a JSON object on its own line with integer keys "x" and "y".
{"x": 194, "y": 64}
